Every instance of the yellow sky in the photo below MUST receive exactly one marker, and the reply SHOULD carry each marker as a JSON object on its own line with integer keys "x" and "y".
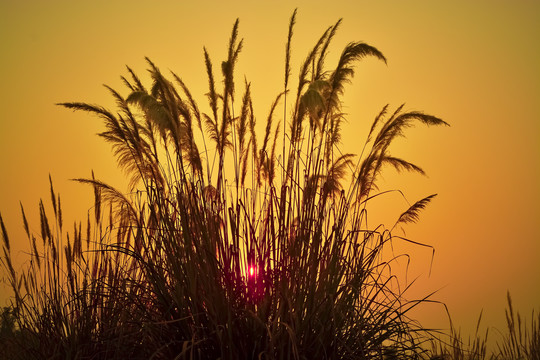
{"x": 474, "y": 64}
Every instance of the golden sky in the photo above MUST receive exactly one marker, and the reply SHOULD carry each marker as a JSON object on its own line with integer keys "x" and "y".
{"x": 474, "y": 64}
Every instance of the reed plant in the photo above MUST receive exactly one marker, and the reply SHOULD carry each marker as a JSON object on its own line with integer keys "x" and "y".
{"x": 521, "y": 341}
{"x": 227, "y": 245}
{"x": 452, "y": 346}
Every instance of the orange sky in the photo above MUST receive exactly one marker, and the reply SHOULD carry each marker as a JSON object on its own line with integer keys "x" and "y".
{"x": 474, "y": 64}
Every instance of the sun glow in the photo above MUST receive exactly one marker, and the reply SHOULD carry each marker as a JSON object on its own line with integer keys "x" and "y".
{"x": 251, "y": 271}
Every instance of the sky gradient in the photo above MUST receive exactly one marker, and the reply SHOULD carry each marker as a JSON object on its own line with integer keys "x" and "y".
{"x": 475, "y": 65}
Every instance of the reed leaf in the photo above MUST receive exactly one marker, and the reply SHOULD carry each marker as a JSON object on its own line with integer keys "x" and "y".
{"x": 5, "y": 236}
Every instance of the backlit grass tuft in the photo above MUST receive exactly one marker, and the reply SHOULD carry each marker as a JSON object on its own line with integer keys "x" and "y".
{"x": 229, "y": 243}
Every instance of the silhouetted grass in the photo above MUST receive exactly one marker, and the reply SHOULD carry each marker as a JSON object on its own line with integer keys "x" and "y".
{"x": 451, "y": 346}
{"x": 519, "y": 341}
{"x": 226, "y": 245}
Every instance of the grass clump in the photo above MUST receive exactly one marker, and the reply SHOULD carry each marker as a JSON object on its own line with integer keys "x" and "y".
{"x": 519, "y": 342}
{"x": 452, "y": 346}
{"x": 227, "y": 245}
